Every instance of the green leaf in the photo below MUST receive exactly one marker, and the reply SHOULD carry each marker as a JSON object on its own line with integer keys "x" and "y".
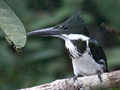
{"x": 13, "y": 28}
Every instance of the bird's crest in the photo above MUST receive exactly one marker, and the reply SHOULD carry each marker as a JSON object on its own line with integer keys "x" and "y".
{"x": 77, "y": 22}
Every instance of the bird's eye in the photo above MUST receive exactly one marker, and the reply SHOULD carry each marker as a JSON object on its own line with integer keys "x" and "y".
{"x": 65, "y": 27}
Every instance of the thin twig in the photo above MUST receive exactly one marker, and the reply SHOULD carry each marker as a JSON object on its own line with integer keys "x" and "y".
{"x": 110, "y": 29}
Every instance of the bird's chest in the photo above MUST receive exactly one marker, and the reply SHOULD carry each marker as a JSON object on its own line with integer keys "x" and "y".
{"x": 76, "y": 48}
{"x": 85, "y": 65}
{"x": 82, "y": 60}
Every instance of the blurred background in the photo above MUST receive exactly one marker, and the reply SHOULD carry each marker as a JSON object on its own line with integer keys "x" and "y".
{"x": 44, "y": 59}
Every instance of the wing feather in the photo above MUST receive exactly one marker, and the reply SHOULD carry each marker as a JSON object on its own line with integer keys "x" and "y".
{"x": 97, "y": 52}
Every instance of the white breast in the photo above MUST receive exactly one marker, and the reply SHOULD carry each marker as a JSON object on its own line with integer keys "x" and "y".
{"x": 84, "y": 65}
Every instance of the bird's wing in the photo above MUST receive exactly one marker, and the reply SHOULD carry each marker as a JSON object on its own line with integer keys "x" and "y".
{"x": 97, "y": 52}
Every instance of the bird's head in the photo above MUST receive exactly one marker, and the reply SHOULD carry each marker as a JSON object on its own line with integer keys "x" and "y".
{"x": 74, "y": 25}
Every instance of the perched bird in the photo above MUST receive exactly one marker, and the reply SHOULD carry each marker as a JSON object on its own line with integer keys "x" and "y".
{"x": 88, "y": 57}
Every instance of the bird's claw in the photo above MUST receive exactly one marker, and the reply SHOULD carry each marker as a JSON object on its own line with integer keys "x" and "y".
{"x": 99, "y": 76}
{"x": 75, "y": 78}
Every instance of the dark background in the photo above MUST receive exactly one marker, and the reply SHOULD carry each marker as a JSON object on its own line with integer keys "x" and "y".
{"x": 44, "y": 59}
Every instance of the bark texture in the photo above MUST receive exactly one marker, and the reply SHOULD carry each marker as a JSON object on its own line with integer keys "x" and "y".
{"x": 110, "y": 80}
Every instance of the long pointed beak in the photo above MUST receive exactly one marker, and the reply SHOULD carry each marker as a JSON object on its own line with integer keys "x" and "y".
{"x": 45, "y": 32}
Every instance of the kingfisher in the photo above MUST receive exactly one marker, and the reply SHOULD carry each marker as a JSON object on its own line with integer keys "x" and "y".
{"x": 87, "y": 56}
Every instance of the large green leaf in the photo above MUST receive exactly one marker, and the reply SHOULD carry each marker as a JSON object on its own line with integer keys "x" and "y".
{"x": 12, "y": 26}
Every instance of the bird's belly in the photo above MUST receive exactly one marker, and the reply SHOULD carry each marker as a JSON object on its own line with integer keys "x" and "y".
{"x": 85, "y": 65}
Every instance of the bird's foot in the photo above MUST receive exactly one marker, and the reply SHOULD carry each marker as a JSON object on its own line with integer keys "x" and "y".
{"x": 77, "y": 84}
{"x": 99, "y": 76}
{"x": 75, "y": 78}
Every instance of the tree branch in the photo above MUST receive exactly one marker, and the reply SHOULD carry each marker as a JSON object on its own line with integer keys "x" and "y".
{"x": 110, "y": 29}
{"x": 110, "y": 80}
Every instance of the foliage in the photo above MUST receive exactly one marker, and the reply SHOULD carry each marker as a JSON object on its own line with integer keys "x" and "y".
{"x": 12, "y": 27}
{"x": 44, "y": 59}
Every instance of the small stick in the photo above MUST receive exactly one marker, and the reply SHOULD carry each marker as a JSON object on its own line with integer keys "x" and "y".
{"x": 110, "y": 29}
